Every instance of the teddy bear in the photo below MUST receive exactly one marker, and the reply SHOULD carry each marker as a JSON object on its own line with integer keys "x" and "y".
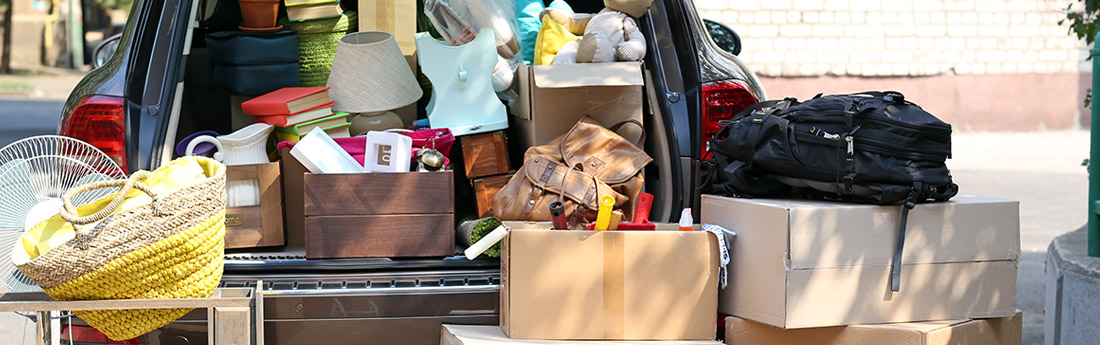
{"x": 609, "y": 35}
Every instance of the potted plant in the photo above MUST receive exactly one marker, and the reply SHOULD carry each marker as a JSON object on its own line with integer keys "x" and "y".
{"x": 259, "y": 14}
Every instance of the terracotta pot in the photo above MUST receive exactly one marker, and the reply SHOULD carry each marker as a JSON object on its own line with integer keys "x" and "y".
{"x": 259, "y": 14}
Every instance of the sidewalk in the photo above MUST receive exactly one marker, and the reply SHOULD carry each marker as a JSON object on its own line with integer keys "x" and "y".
{"x": 41, "y": 83}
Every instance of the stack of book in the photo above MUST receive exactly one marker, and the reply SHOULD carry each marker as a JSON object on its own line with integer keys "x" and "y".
{"x": 294, "y": 111}
{"x": 302, "y": 10}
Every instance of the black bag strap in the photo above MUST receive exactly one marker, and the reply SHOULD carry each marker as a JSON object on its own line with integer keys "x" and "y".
{"x": 910, "y": 203}
{"x": 756, "y": 124}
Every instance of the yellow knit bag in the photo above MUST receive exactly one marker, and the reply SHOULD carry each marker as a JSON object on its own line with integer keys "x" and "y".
{"x": 157, "y": 237}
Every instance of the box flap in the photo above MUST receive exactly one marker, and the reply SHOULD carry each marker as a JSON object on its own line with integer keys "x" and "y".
{"x": 492, "y": 335}
{"x": 588, "y": 74}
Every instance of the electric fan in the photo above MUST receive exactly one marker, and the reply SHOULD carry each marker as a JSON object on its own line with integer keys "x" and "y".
{"x": 34, "y": 173}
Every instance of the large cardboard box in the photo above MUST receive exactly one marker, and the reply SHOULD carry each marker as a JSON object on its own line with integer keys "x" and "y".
{"x": 609, "y": 285}
{"x": 800, "y": 264}
{"x": 996, "y": 331}
{"x": 491, "y": 335}
{"x": 552, "y": 98}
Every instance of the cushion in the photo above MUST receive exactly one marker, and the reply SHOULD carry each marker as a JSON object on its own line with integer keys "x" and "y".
{"x": 550, "y": 39}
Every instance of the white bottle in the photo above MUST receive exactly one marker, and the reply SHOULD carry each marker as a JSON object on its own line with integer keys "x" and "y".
{"x": 686, "y": 221}
{"x": 387, "y": 152}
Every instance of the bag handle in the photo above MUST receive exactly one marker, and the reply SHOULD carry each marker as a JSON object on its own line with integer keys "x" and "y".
{"x": 69, "y": 212}
{"x": 641, "y": 140}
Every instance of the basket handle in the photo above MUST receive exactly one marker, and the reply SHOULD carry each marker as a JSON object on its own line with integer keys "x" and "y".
{"x": 69, "y": 212}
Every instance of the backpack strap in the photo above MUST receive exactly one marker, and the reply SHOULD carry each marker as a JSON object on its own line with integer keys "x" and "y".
{"x": 910, "y": 203}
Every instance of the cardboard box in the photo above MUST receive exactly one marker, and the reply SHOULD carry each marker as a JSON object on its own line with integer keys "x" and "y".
{"x": 609, "y": 285}
{"x": 800, "y": 264}
{"x": 379, "y": 215}
{"x": 397, "y": 17}
{"x": 552, "y": 98}
{"x": 997, "y": 331}
{"x": 491, "y": 335}
{"x": 261, "y": 225}
{"x": 533, "y": 225}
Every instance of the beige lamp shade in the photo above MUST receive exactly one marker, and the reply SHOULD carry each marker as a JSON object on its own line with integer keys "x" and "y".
{"x": 369, "y": 74}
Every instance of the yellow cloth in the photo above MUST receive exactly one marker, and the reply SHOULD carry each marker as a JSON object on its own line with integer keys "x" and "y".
{"x": 55, "y": 231}
{"x": 551, "y": 37}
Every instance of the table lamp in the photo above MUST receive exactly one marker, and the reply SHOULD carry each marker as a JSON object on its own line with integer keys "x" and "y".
{"x": 370, "y": 77}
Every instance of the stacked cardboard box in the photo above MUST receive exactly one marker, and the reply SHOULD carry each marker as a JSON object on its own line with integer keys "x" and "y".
{"x": 606, "y": 287}
{"x": 813, "y": 265}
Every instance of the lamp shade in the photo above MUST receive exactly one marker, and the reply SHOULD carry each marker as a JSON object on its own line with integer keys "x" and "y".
{"x": 369, "y": 74}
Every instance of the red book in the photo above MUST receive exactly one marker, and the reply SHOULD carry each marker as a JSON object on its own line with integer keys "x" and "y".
{"x": 300, "y": 117}
{"x": 287, "y": 101}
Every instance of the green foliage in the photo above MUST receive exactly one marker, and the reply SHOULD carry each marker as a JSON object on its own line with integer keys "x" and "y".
{"x": 483, "y": 228}
{"x": 111, "y": 4}
{"x": 1083, "y": 23}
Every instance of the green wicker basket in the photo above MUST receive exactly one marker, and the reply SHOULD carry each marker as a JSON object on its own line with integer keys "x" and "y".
{"x": 317, "y": 40}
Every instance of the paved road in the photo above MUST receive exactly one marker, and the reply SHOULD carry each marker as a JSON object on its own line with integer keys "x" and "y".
{"x": 1043, "y": 171}
{"x": 20, "y": 118}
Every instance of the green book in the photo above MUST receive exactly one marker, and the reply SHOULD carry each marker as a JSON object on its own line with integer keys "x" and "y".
{"x": 326, "y": 123}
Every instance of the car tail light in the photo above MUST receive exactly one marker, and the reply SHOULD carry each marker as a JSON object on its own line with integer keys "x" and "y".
{"x": 100, "y": 121}
{"x": 85, "y": 335}
{"x": 722, "y": 100}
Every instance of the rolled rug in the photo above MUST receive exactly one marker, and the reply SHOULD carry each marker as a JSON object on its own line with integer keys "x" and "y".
{"x": 471, "y": 231}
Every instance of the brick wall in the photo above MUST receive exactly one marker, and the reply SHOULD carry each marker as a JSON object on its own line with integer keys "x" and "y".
{"x": 896, "y": 38}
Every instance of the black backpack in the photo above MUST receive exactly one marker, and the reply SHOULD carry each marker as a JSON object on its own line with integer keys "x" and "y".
{"x": 870, "y": 147}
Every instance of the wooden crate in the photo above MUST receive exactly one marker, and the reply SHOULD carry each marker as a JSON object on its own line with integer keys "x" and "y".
{"x": 379, "y": 215}
{"x": 485, "y": 188}
{"x": 485, "y": 154}
{"x": 256, "y": 226}
{"x": 293, "y": 192}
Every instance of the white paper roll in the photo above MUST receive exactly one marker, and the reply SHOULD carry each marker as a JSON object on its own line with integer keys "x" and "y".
{"x": 488, "y": 241}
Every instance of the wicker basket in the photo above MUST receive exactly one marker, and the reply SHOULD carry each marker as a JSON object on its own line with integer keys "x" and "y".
{"x": 172, "y": 247}
{"x": 317, "y": 41}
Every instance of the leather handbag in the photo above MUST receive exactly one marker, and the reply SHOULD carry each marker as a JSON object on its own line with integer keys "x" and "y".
{"x": 577, "y": 168}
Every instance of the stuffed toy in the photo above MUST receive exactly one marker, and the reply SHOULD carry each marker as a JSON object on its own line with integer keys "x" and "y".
{"x": 608, "y": 36}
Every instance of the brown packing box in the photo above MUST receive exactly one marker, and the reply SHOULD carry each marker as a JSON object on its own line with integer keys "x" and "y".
{"x": 397, "y": 17}
{"x": 801, "y": 264}
{"x": 552, "y": 98}
{"x": 996, "y": 331}
{"x": 609, "y": 285}
{"x": 379, "y": 214}
{"x": 261, "y": 225}
{"x": 492, "y": 335}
